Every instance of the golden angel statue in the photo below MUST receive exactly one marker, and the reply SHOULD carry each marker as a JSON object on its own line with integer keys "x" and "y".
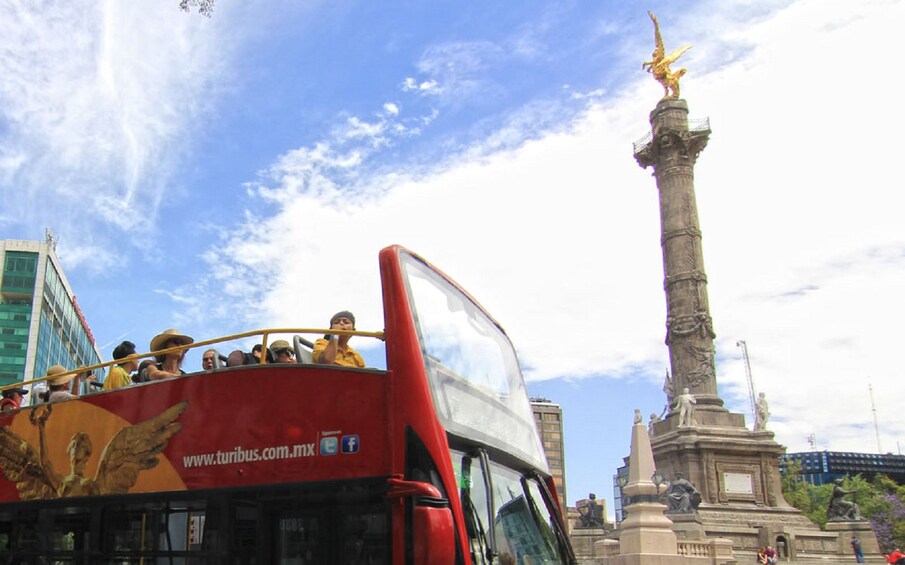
{"x": 130, "y": 451}
{"x": 660, "y": 61}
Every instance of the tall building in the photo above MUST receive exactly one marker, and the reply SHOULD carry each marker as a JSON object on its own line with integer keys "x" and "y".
{"x": 549, "y": 423}
{"x": 41, "y": 323}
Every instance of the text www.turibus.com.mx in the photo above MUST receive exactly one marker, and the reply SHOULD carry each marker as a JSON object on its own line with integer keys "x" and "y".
{"x": 241, "y": 455}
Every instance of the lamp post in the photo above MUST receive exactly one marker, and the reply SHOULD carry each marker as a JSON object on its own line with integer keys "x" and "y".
{"x": 658, "y": 480}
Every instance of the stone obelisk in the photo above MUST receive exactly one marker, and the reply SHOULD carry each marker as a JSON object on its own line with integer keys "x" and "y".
{"x": 672, "y": 149}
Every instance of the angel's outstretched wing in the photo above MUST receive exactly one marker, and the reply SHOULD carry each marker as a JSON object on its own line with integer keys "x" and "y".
{"x": 21, "y": 464}
{"x": 658, "y": 39}
{"x": 674, "y": 56}
{"x": 134, "y": 449}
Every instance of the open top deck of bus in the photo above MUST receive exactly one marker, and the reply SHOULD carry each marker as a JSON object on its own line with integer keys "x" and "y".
{"x": 446, "y": 427}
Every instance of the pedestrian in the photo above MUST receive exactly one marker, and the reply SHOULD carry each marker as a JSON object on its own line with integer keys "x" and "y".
{"x": 856, "y": 547}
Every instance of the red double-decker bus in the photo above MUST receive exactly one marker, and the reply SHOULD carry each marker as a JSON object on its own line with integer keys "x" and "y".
{"x": 434, "y": 460}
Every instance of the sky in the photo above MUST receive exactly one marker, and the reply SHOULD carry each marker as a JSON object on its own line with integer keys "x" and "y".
{"x": 242, "y": 171}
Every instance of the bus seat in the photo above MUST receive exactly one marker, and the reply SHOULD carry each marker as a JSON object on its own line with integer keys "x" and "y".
{"x": 303, "y": 349}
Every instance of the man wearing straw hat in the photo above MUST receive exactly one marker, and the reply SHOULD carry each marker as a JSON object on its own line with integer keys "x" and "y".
{"x": 168, "y": 364}
{"x": 57, "y": 386}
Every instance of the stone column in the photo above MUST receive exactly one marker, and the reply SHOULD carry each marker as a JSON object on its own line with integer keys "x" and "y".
{"x": 672, "y": 150}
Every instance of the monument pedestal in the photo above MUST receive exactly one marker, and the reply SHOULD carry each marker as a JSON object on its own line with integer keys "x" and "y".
{"x": 583, "y": 540}
{"x": 687, "y": 526}
{"x": 861, "y": 529}
{"x": 736, "y": 471}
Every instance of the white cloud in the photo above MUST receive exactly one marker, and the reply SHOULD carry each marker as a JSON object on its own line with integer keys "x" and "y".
{"x": 558, "y": 236}
{"x": 96, "y": 100}
{"x": 426, "y": 87}
{"x": 391, "y": 109}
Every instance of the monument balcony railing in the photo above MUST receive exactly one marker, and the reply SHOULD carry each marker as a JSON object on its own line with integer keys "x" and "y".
{"x": 642, "y": 143}
{"x": 702, "y": 124}
{"x": 693, "y": 548}
{"x": 696, "y": 125}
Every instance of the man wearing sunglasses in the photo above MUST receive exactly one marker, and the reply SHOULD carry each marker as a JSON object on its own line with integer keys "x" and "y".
{"x": 282, "y": 352}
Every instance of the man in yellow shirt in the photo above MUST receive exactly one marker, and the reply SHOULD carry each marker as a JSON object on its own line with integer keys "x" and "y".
{"x": 335, "y": 350}
{"x": 119, "y": 374}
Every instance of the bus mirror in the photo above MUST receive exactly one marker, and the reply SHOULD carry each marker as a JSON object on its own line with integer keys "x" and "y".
{"x": 434, "y": 535}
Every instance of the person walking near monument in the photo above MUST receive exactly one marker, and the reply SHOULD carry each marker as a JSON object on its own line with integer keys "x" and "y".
{"x": 856, "y": 547}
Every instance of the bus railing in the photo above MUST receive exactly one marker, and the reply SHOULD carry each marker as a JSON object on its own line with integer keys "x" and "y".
{"x": 265, "y": 336}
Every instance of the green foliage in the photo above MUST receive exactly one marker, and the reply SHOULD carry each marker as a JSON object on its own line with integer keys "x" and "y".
{"x": 882, "y": 501}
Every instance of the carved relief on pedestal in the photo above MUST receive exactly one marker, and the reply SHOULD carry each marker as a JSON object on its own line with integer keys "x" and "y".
{"x": 769, "y": 479}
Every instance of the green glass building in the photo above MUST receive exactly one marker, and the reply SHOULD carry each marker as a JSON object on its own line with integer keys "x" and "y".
{"x": 40, "y": 321}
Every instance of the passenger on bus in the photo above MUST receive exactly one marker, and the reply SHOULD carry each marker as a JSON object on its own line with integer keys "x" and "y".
{"x": 12, "y": 399}
{"x": 335, "y": 350}
{"x": 239, "y": 357}
{"x": 57, "y": 386}
{"x": 283, "y": 352}
{"x": 141, "y": 375}
{"x": 118, "y": 376}
{"x": 207, "y": 359}
{"x": 168, "y": 364}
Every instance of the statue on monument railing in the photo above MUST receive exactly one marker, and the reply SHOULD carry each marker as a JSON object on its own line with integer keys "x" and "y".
{"x": 650, "y": 423}
{"x": 681, "y": 497}
{"x": 590, "y": 512}
{"x": 660, "y": 61}
{"x": 761, "y": 413}
{"x": 839, "y": 509}
{"x": 685, "y": 402}
{"x": 638, "y": 417}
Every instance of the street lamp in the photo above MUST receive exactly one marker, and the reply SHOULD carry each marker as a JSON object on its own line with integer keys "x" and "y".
{"x": 657, "y": 479}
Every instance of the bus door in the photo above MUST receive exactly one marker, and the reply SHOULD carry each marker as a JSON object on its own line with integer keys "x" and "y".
{"x": 507, "y": 516}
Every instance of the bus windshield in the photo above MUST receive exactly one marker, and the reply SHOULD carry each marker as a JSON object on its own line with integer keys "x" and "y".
{"x": 474, "y": 376}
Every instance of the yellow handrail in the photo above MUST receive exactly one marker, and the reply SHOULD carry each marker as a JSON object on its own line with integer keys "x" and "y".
{"x": 265, "y": 333}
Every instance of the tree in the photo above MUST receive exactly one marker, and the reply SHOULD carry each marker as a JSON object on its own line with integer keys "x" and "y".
{"x": 882, "y": 501}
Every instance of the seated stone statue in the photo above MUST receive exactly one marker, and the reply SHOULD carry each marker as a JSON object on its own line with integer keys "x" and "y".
{"x": 841, "y": 510}
{"x": 681, "y": 497}
{"x": 590, "y": 512}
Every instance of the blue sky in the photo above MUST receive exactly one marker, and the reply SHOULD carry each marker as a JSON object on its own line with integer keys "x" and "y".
{"x": 242, "y": 171}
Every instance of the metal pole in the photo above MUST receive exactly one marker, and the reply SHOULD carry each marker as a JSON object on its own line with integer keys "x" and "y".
{"x": 751, "y": 394}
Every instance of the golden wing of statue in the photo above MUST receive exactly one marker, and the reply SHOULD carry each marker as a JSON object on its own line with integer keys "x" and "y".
{"x": 674, "y": 56}
{"x": 135, "y": 449}
{"x": 21, "y": 465}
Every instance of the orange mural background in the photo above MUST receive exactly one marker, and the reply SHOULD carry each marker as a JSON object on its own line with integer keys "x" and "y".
{"x": 101, "y": 425}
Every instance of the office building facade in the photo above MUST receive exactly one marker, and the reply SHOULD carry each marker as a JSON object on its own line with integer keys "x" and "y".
{"x": 823, "y": 467}
{"x": 549, "y": 423}
{"x": 41, "y": 323}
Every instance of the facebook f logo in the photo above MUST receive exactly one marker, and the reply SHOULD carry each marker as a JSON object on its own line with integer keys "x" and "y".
{"x": 350, "y": 444}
